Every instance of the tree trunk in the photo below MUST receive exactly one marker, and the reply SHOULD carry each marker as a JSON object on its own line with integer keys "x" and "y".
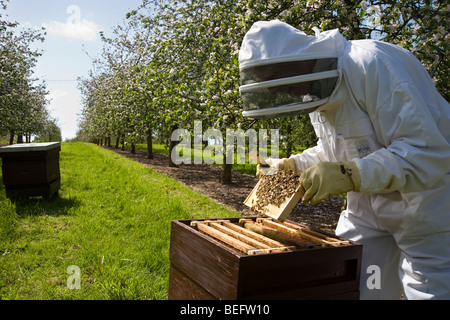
{"x": 11, "y": 137}
{"x": 19, "y": 138}
{"x": 117, "y": 141}
{"x": 133, "y": 148}
{"x": 226, "y": 174}
{"x": 149, "y": 144}
{"x": 171, "y": 146}
{"x": 225, "y": 177}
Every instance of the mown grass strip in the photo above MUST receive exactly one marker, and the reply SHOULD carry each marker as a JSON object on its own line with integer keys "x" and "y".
{"x": 111, "y": 220}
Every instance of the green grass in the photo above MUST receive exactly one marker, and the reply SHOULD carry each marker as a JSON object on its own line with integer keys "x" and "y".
{"x": 111, "y": 219}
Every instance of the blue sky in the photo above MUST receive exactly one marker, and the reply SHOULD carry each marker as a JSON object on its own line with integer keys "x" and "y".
{"x": 72, "y": 28}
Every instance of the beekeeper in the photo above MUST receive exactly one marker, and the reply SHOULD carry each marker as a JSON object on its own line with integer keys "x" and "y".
{"x": 383, "y": 133}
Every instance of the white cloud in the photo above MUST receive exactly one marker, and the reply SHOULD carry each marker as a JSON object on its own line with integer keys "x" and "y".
{"x": 84, "y": 30}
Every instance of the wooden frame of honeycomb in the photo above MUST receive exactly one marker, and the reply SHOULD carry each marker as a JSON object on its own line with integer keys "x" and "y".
{"x": 276, "y": 195}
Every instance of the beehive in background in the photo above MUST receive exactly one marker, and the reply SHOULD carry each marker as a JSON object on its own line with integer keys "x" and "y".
{"x": 31, "y": 169}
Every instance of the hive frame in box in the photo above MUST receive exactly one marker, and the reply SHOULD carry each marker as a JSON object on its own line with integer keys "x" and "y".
{"x": 202, "y": 267}
{"x": 243, "y": 240}
{"x": 262, "y": 236}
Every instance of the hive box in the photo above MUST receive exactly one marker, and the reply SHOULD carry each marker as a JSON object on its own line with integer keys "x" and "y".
{"x": 31, "y": 169}
{"x": 204, "y": 268}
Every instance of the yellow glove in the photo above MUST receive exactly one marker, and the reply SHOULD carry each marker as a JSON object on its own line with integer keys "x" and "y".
{"x": 276, "y": 164}
{"x": 328, "y": 179}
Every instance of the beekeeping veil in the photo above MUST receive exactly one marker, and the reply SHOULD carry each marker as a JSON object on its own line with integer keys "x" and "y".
{"x": 286, "y": 72}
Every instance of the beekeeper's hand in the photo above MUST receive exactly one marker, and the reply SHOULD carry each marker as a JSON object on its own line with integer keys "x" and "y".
{"x": 328, "y": 179}
{"x": 276, "y": 164}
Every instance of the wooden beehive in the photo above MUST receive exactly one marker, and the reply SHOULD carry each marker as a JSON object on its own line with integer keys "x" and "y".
{"x": 31, "y": 169}
{"x": 260, "y": 258}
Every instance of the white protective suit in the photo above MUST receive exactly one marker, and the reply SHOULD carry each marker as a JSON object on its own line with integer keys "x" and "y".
{"x": 386, "y": 115}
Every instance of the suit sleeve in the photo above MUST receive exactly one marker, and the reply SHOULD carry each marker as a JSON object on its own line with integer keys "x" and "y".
{"x": 417, "y": 154}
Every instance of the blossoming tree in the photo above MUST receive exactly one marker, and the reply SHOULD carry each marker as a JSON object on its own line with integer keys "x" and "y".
{"x": 184, "y": 58}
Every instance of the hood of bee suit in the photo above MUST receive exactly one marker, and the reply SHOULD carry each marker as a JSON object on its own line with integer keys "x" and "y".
{"x": 284, "y": 71}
